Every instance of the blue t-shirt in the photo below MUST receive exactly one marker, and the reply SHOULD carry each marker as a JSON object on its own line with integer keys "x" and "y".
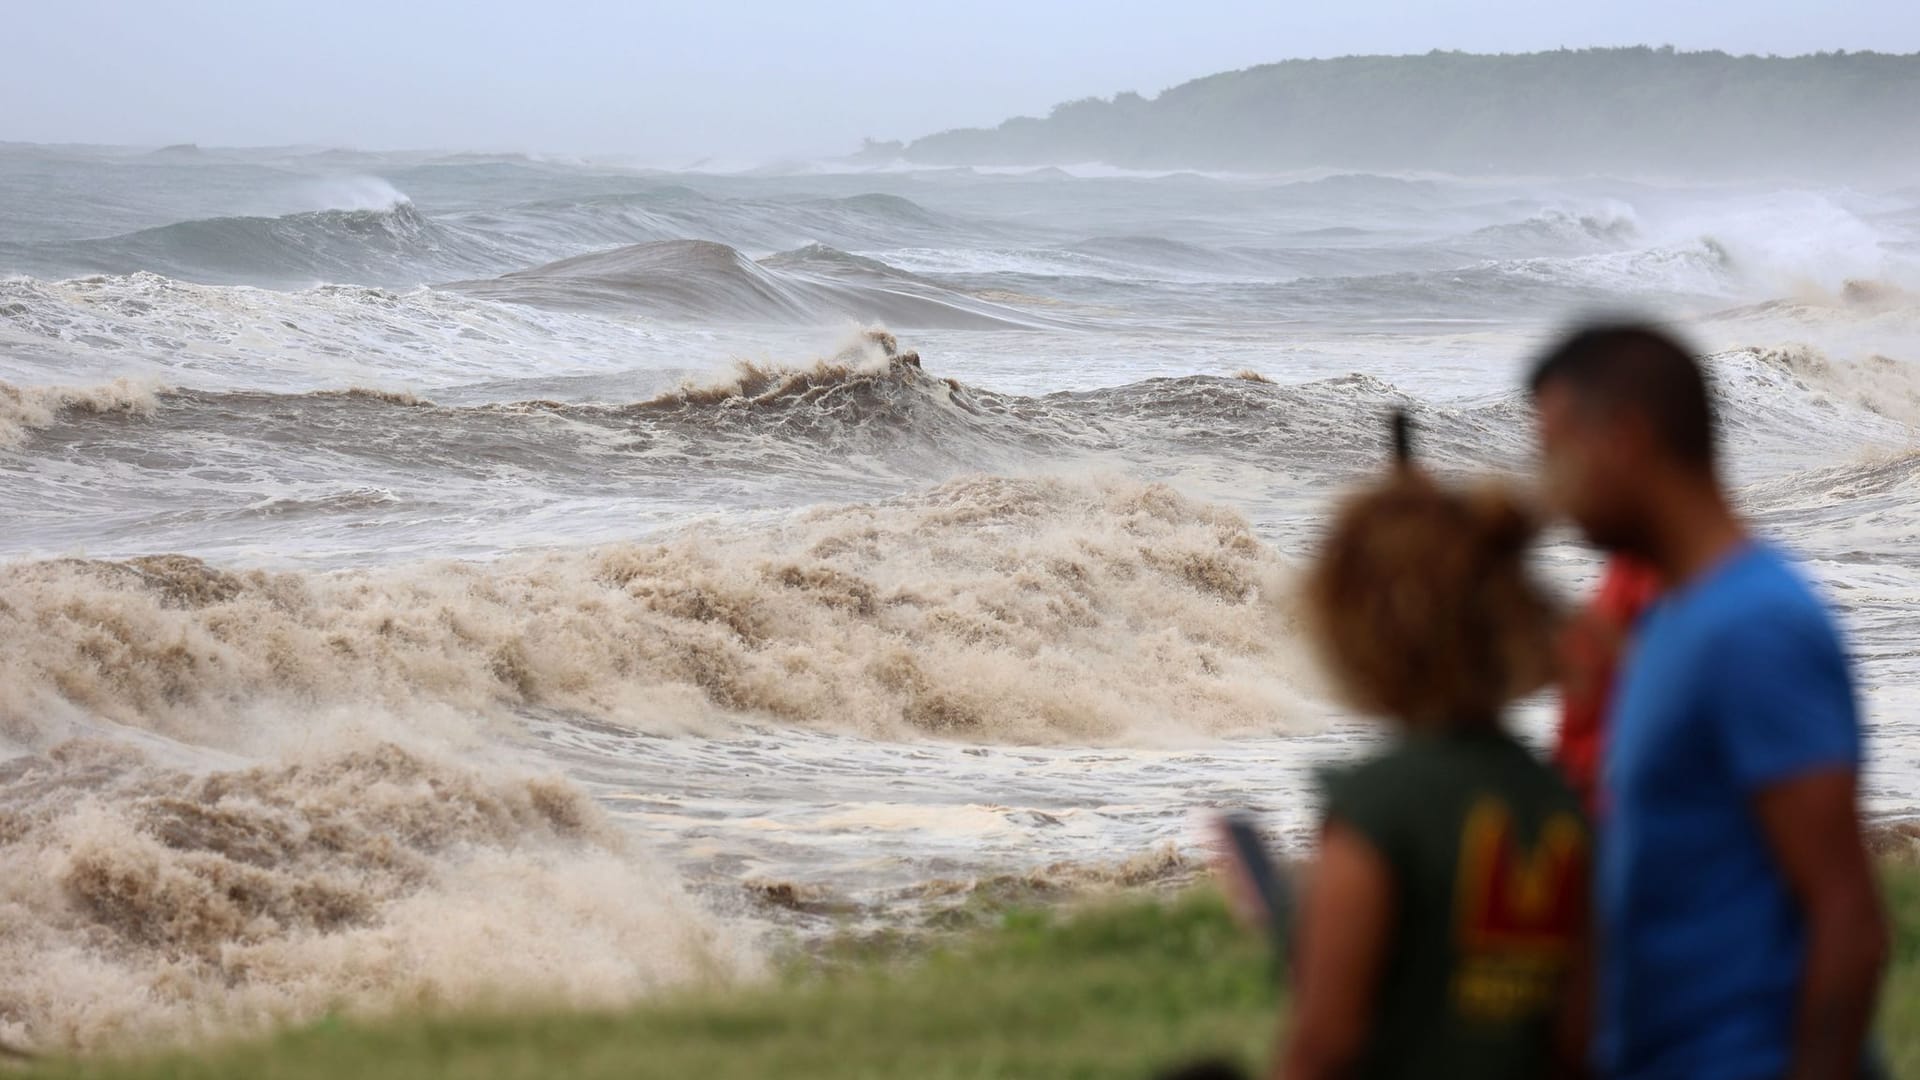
{"x": 1737, "y": 681}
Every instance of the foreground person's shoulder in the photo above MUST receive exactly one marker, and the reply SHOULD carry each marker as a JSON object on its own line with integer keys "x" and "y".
{"x": 1767, "y": 595}
{"x": 1397, "y": 773}
{"x": 1378, "y": 798}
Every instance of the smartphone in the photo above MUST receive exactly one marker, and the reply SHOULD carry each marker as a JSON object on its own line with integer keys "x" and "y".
{"x": 1249, "y": 851}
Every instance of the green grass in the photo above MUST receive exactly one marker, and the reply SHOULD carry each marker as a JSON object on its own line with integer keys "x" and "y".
{"x": 1111, "y": 991}
{"x": 1900, "y": 999}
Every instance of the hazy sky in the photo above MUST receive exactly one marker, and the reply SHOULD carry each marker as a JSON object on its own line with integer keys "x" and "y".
{"x": 669, "y": 83}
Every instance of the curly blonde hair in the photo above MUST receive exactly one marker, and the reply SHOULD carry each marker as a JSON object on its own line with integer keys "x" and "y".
{"x": 1421, "y": 605}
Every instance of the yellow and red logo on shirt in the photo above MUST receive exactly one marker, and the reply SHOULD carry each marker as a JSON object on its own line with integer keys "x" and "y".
{"x": 1519, "y": 911}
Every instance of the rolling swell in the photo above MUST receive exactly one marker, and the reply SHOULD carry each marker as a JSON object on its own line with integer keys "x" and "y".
{"x": 1339, "y": 288}
{"x": 214, "y": 336}
{"x": 360, "y": 477}
{"x": 367, "y": 466}
{"x": 699, "y": 281}
{"x": 872, "y": 406}
{"x": 394, "y": 245}
{"x": 876, "y": 407}
{"x": 670, "y": 212}
{"x": 1181, "y": 259}
{"x": 1495, "y": 290}
{"x": 687, "y": 279}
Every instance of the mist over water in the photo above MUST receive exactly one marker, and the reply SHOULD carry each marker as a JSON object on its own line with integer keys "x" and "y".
{"x": 621, "y": 541}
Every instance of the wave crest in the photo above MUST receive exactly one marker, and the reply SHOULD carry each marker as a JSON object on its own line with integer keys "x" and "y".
{"x": 26, "y": 409}
{"x": 874, "y": 355}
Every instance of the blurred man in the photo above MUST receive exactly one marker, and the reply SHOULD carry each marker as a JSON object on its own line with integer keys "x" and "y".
{"x": 1740, "y": 930}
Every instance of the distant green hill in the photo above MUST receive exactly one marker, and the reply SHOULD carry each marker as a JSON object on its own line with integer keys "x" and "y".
{"x": 1635, "y": 110}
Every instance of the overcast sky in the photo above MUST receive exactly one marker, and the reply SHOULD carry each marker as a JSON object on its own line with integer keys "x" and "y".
{"x": 670, "y": 83}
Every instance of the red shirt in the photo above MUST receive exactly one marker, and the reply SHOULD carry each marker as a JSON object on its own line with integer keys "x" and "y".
{"x": 1591, "y": 653}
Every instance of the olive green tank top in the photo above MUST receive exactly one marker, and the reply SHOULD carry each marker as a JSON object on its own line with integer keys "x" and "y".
{"x": 1489, "y": 857}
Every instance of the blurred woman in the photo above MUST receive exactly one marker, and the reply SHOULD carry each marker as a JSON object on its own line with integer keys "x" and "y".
{"x": 1442, "y": 932}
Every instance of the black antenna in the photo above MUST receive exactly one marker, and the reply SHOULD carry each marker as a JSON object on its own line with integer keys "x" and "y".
{"x": 1402, "y": 438}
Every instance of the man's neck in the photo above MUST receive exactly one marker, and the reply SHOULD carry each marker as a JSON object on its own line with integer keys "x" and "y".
{"x": 1693, "y": 531}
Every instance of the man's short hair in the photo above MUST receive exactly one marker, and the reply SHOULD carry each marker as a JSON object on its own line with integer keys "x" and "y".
{"x": 1643, "y": 370}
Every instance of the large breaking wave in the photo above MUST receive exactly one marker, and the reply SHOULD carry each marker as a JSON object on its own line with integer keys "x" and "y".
{"x": 147, "y": 903}
{"x": 995, "y": 609}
